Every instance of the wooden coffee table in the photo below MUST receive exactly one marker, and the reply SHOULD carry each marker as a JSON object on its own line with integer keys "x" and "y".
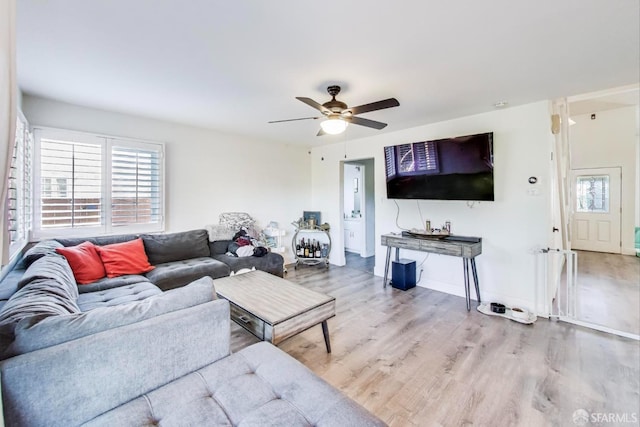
{"x": 274, "y": 309}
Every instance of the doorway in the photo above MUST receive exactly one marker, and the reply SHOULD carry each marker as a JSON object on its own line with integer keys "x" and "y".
{"x": 596, "y": 207}
{"x": 601, "y": 289}
{"x": 359, "y": 214}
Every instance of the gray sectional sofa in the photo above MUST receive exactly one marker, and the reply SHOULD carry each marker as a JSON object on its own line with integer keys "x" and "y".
{"x": 147, "y": 349}
{"x": 168, "y": 364}
{"x": 43, "y": 284}
{"x": 179, "y": 258}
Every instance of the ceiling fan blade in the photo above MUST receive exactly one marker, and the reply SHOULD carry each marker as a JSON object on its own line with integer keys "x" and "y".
{"x": 321, "y": 132}
{"x": 293, "y": 120}
{"x": 380, "y": 105}
{"x": 311, "y": 103}
{"x": 366, "y": 122}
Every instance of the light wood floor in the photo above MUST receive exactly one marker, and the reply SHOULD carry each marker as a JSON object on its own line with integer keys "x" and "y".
{"x": 418, "y": 358}
{"x": 608, "y": 290}
{"x": 356, "y": 262}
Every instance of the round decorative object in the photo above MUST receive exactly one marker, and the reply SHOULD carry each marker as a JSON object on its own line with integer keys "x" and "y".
{"x": 533, "y": 180}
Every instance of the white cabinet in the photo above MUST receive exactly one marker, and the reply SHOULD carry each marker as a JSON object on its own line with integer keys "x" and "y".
{"x": 353, "y": 238}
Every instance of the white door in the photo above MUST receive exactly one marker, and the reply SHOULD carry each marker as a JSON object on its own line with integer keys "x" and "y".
{"x": 596, "y": 209}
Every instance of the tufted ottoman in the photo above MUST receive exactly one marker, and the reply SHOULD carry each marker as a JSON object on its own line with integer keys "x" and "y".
{"x": 258, "y": 386}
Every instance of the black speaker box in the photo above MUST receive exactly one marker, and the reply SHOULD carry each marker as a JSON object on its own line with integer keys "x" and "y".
{"x": 403, "y": 274}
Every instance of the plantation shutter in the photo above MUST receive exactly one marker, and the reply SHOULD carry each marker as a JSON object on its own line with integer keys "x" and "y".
{"x": 19, "y": 193}
{"x": 426, "y": 156}
{"x": 405, "y": 158}
{"x": 390, "y": 162}
{"x": 71, "y": 184}
{"x": 13, "y": 211}
{"x": 136, "y": 185}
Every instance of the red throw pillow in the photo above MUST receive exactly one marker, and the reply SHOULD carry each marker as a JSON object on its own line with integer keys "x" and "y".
{"x": 124, "y": 258}
{"x": 84, "y": 261}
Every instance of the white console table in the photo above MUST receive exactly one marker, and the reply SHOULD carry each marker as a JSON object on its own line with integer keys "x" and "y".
{"x": 464, "y": 247}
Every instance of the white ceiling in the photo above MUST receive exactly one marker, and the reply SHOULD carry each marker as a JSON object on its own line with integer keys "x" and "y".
{"x": 234, "y": 65}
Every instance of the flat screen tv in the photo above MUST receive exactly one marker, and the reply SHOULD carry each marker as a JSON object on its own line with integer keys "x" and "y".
{"x": 458, "y": 168}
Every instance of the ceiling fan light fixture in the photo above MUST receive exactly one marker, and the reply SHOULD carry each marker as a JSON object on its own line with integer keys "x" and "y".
{"x": 333, "y": 125}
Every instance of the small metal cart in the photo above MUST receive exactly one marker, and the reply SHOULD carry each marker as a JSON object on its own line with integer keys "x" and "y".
{"x": 319, "y": 234}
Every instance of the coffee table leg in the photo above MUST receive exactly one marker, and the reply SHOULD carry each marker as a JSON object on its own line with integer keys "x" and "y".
{"x": 325, "y": 332}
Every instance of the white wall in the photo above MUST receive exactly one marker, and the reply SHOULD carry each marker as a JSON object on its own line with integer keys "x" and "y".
{"x": 512, "y": 228}
{"x": 610, "y": 141}
{"x": 207, "y": 172}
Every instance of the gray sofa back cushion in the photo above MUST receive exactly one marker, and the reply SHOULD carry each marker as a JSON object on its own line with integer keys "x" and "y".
{"x": 52, "y": 267}
{"x": 72, "y": 383}
{"x": 100, "y": 240}
{"x": 219, "y": 247}
{"x": 33, "y": 334}
{"x": 46, "y": 289}
{"x": 163, "y": 248}
{"x": 40, "y": 249}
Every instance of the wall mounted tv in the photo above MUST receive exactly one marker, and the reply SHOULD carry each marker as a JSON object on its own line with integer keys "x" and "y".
{"x": 458, "y": 168}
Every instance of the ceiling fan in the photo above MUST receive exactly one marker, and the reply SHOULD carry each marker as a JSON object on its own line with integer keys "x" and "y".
{"x": 338, "y": 115}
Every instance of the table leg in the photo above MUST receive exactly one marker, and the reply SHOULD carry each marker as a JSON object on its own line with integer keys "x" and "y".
{"x": 386, "y": 266}
{"x": 465, "y": 263}
{"x": 475, "y": 279}
{"x": 325, "y": 332}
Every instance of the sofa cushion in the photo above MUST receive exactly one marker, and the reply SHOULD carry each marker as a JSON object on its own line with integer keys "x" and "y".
{"x": 71, "y": 383}
{"x": 46, "y": 289}
{"x": 109, "y": 283}
{"x": 116, "y": 296}
{"x": 40, "y": 249}
{"x": 98, "y": 241}
{"x": 178, "y": 273}
{"x": 163, "y": 248}
{"x": 85, "y": 262}
{"x": 271, "y": 263}
{"x": 55, "y": 268}
{"x": 260, "y": 385}
{"x": 33, "y": 334}
{"x": 124, "y": 258}
{"x": 219, "y": 247}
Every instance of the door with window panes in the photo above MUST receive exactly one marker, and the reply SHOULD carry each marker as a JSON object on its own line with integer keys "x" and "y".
{"x": 596, "y": 209}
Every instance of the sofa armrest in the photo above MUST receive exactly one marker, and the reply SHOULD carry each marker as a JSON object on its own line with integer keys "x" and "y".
{"x": 73, "y": 382}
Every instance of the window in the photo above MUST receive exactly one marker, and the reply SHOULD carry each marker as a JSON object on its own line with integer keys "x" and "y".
{"x": 90, "y": 184}
{"x": 593, "y": 194}
{"x": 19, "y": 188}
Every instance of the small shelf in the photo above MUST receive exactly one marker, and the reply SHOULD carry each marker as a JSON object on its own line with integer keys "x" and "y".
{"x": 273, "y": 238}
{"x": 324, "y": 240}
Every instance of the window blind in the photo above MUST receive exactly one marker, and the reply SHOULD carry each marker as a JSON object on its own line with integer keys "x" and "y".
{"x": 390, "y": 161}
{"x": 19, "y": 192}
{"x": 71, "y": 184}
{"x": 135, "y": 186}
{"x": 91, "y": 184}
